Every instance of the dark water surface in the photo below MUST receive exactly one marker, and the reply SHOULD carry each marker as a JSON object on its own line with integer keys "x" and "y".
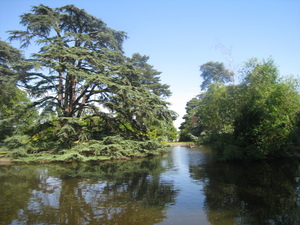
{"x": 185, "y": 186}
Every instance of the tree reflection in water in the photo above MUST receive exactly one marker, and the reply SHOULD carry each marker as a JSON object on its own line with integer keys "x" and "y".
{"x": 107, "y": 193}
{"x": 256, "y": 193}
{"x": 143, "y": 192}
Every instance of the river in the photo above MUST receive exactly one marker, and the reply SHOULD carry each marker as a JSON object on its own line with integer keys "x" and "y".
{"x": 184, "y": 186}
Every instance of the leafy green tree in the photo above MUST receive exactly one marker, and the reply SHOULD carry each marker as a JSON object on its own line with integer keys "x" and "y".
{"x": 214, "y": 72}
{"x": 191, "y": 127}
{"x": 150, "y": 76}
{"x": 268, "y": 113}
{"x": 253, "y": 120}
{"x": 217, "y": 110}
{"x": 77, "y": 51}
{"x": 13, "y": 101}
{"x": 82, "y": 75}
{"x": 165, "y": 133}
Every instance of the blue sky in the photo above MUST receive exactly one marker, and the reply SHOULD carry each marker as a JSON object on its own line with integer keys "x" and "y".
{"x": 181, "y": 35}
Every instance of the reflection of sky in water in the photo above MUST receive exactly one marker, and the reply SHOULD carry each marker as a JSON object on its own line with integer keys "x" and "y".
{"x": 47, "y": 195}
{"x": 190, "y": 201}
{"x": 91, "y": 192}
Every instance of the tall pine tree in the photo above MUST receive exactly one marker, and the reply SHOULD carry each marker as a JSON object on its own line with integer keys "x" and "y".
{"x": 83, "y": 78}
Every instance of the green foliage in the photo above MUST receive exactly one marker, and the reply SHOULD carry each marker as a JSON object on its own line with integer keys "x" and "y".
{"x": 218, "y": 109}
{"x": 14, "y": 111}
{"x": 253, "y": 120}
{"x": 116, "y": 146}
{"x": 16, "y": 141}
{"x": 191, "y": 127}
{"x": 150, "y": 76}
{"x": 17, "y": 153}
{"x": 232, "y": 152}
{"x": 214, "y": 72}
{"x": 113, "y": 147}
{"x": 9, "y": 59}
{"x": 82, "y": 83}
{"x": 269, "y": 111}
{"x": 163, "y": 132}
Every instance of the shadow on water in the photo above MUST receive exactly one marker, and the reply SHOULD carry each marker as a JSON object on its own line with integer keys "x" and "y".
{"x": 250, "y": 193}
{"x": 185, "y": 186}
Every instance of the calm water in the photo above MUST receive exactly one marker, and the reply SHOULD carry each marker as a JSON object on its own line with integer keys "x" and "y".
{"x": 185, "y": 186}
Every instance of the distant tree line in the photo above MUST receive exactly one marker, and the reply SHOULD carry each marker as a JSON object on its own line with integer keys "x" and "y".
{"x": 253, "y": 120}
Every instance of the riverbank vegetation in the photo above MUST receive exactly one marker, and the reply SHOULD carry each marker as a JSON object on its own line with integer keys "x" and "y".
{"x": 79, "y": 93}
{"x": 255, "y": 119}
{"x": 79, "y": 97}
